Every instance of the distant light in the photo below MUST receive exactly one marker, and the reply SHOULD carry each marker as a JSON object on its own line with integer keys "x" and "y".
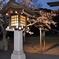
{"x": 11, "y": 11}
{"x": 7, "y": 14}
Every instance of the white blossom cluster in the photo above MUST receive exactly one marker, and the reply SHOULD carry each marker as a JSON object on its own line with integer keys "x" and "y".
{"x": 45, "y": 19}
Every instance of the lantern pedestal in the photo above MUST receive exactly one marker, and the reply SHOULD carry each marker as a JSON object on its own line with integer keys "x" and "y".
{"x": 18, "y": 55}
{"x": 18, "y": 52}
{"x": 18, "y": 46}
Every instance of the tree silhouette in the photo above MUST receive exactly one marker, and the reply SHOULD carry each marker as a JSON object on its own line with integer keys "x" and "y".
{"x": 27, "y": 2}
{"x": 3, "y": 24}
{"x": 43, "y": 23}
{"x": 2, "y": 4}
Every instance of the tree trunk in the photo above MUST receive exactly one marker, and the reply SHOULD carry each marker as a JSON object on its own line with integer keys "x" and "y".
{"x": 5, "y": 41}
{"x": 40, "y": 39}
{"x": 43, "y": 38}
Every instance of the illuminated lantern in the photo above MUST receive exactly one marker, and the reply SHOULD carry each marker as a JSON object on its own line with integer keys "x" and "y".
{"x": 17, "y": 20}
{"x": 17, "y": 14}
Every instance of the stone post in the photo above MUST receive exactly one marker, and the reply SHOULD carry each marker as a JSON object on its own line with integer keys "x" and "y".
{"x": 18, "y": 45}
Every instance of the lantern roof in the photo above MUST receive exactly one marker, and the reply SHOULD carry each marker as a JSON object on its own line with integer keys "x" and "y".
{"x": 17, "y": 6}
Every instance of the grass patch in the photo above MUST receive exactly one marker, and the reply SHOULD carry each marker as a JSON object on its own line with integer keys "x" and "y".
{"x": 36, "y": 40}
{"x": 33, "y": 40}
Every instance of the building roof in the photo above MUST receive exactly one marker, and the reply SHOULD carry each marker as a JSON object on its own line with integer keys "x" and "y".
{"x": 56, "y": 11}
{"x": 51, "y": 4}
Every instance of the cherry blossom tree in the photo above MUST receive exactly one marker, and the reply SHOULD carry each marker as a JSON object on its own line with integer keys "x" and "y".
{"x": 43, "y": 23}
{"x": 44, "y": 19}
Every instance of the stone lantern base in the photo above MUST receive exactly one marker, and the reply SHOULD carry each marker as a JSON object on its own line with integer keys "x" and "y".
{"x": 18, "y": 55}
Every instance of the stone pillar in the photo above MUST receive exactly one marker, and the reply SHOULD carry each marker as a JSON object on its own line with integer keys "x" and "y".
{"x": 18, "y": 46}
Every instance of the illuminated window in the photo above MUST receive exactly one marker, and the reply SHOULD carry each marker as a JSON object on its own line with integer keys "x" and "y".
{"x": 14, "y": 20}
{"x": 22, "y": 20}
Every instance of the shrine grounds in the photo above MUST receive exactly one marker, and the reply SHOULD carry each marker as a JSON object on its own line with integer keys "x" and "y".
{"x": 7, "y": 55}
{"x": 32, "y": 43}
{"x": 32, "y": 48}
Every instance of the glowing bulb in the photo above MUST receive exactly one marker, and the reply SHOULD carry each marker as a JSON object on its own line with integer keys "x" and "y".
{"x": 16, "y": 26}
{"x": 16, "y": 12}
{"x": 8, "y": 27}
{"x": 20, "y": 28}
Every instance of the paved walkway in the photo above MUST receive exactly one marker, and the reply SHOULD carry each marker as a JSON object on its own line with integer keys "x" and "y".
{"x": 7, "y": 55}
{"x": 53, "y": 50}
